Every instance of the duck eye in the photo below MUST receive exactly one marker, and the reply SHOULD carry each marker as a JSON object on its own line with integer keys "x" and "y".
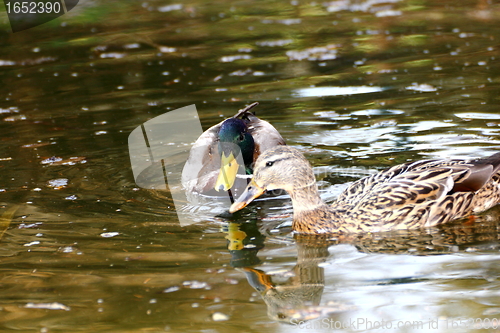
{"x": 242, "y": 137}
{"x": 281, "y": 315}
{"x": 268, "y": 164}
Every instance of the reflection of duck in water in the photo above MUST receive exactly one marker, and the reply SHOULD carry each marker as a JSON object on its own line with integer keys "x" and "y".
{"x": 298, "y": 294}
{"x": 244, "y": 242}
{"x": 407, "y": 196}
{"x": 212, "y": 165}
{"x": 295, "y": 295}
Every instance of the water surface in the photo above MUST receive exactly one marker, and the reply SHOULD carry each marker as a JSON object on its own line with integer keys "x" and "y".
{"x": 357, "y": 86}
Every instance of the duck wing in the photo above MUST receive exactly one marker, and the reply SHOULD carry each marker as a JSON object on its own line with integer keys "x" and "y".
{"x": 426, "y": 192}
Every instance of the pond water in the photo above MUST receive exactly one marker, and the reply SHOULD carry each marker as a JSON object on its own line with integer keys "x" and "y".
{"x": 357, "y": 86}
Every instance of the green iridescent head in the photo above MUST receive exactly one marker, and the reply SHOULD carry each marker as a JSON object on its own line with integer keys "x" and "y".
{"x": 233, "y": 140}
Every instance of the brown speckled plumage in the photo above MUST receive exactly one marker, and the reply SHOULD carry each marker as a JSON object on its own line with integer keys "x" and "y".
{"x": 407, "y": 196}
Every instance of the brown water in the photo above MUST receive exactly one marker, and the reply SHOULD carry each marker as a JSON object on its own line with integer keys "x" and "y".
{"x": 356, "y": 85}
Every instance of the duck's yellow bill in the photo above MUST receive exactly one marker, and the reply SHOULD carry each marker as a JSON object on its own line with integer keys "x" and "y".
{"x": 252, "y": 192}
{"x": 227, "y": 174}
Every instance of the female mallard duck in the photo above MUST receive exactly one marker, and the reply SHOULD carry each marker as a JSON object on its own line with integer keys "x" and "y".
{"x": 407, "y": 196}
{"x": 213, "y": 160}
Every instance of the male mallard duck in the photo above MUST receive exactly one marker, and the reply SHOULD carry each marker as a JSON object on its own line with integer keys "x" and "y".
{"x": 407, "y": 196}
{"x": 212, "y": 164}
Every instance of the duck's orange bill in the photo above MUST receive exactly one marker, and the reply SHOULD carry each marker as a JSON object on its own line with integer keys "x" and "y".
{"x": 252, "y": 192}
{"x": 258, "y": 279}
